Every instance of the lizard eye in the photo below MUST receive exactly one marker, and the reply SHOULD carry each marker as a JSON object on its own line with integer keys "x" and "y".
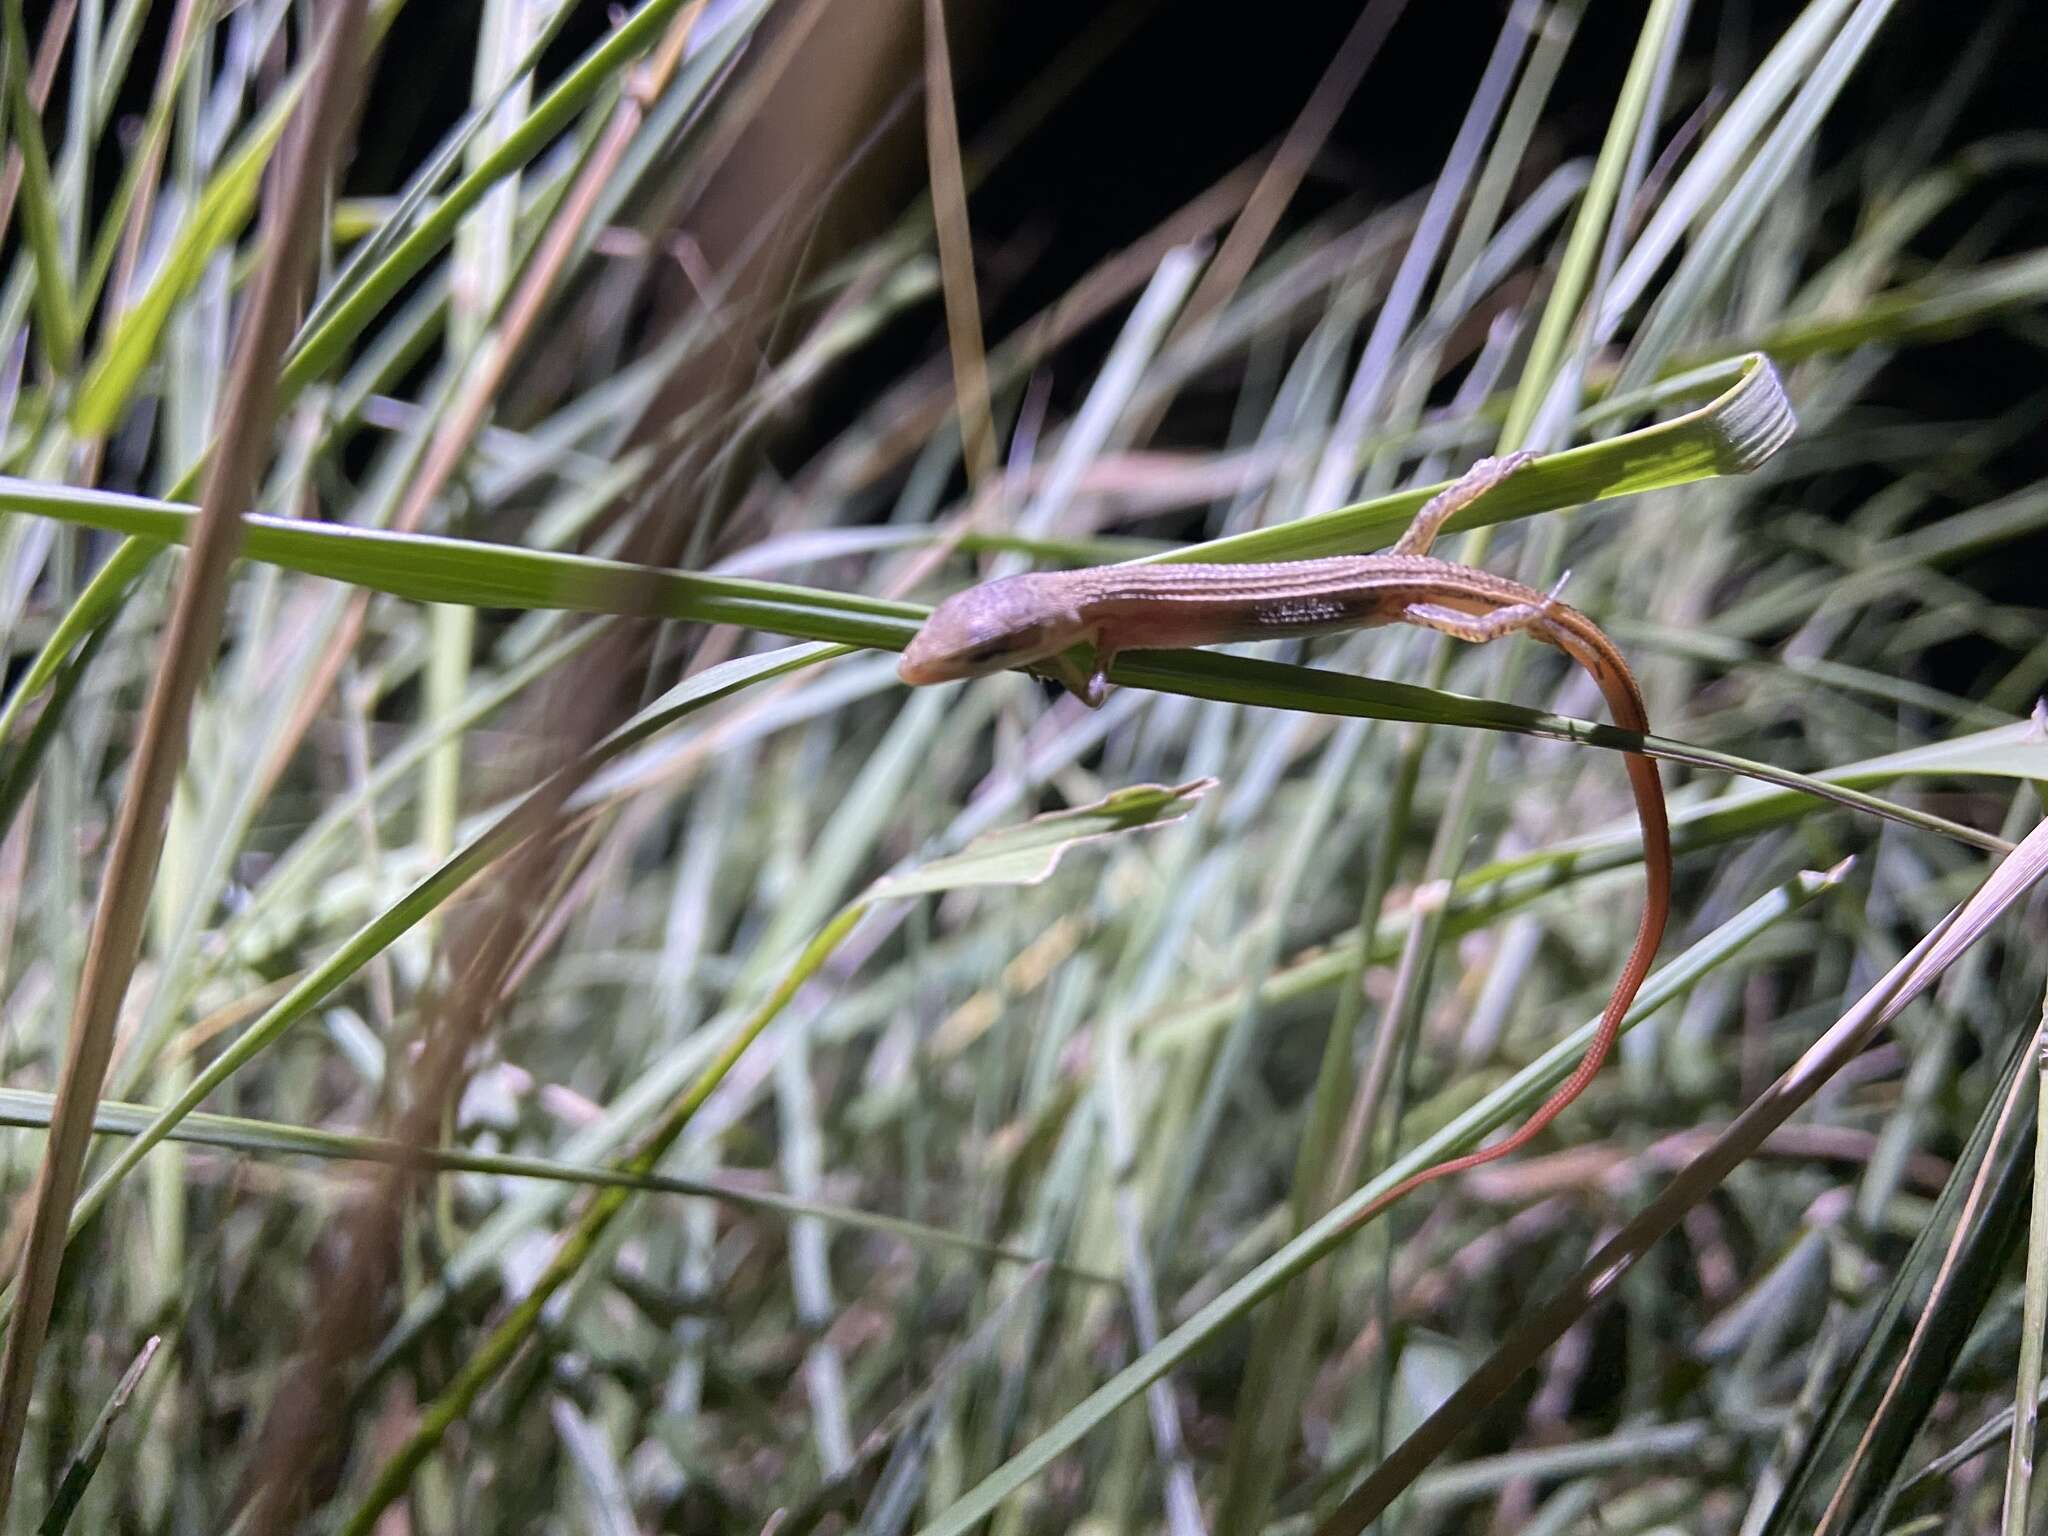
{"x": 1005, "y": 647}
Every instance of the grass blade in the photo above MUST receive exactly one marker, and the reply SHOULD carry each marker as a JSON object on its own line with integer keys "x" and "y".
{"x": 2010, "y": 881}
{"x": 78, "y": 1474}
{"x": 188, "y": 648}
{"x": 1025, "y": 854}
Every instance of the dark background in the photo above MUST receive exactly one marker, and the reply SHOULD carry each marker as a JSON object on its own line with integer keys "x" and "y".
{"x": 1196, "y": 87}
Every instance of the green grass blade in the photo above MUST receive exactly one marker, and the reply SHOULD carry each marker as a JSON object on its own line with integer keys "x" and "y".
{"x": 2019, "y": 1457}
{"x": 86, "y": 1461}
{"x": 325, "y": 344}
{"x": 1733, "y": 434}
{"x": 1747, "y": 422}
{"x": 94, "y": 609}
{"x": 133, "y": 339}
{"x": 54, "y": 296}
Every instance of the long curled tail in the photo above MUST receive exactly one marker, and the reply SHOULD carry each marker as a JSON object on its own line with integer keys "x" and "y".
{"x": 1582, "y": 640}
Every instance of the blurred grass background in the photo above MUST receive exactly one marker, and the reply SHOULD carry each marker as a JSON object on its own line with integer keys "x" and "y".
{"x": 597, "y": 1054}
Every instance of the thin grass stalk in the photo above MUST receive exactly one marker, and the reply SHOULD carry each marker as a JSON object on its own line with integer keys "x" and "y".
{"x": 813, "y": 1301}
{"x": 1589, "y": 231}
{"x": 1120, "y": 1111}
{"x": 78, "y": 1474}
{"x": 217, "y": 212}
{"x": 1973, "y": 1261}
{"x": 1326, "y": 1163}
{"x": 2026, "y": 1416}
{"x": 1283, "y": 174}
{"x": 118, "y": 250}
{"x": 160, "y": 747}
{"x": 21, "y": 1107}
{"x": 956, "y": 252}
{"x": 480, "y": 270}
{"x": 906, "y": 417}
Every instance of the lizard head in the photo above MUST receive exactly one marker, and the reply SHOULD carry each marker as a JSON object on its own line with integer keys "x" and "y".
{"x": 1010, "y": 622}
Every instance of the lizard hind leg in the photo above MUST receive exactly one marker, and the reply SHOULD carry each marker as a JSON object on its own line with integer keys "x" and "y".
{"x": 1478, "y": 628}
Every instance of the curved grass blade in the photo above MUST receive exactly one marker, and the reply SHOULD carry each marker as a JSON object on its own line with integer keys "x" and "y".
{"x": 1734, "y": 433}
{"x": 426, "y": 568}
{"x": 31, "y": 1110}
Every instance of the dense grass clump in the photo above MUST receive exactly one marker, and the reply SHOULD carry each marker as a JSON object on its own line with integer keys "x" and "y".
{"x": 516, "y": 1020}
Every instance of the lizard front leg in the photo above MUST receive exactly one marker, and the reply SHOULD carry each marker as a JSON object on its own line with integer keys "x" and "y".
{"x": 1091, "y": 684}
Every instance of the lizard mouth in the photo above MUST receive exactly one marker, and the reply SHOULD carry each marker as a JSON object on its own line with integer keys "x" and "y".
{"x": 916, "y": 670}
